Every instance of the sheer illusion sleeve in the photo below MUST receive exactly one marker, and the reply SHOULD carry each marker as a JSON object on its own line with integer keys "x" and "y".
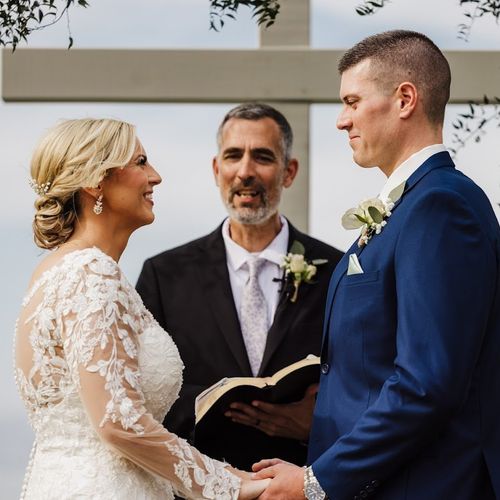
{"x": 100, "y": 344}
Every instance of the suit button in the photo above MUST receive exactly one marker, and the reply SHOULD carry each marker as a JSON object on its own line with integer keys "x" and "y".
{"x": 325, "y": 368}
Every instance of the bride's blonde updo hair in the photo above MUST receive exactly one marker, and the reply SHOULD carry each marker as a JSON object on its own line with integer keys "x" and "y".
{"x": 74, "y": 154}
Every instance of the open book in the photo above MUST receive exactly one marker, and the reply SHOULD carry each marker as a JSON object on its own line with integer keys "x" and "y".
{"x": 286, "y": 386}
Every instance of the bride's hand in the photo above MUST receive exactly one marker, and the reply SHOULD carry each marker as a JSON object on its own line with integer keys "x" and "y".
{"x": 252, "y": 488}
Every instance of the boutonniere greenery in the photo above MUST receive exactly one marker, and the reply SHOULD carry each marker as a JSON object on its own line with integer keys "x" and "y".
{"x": 371, "y": 215}
{"x": 299, "y": 270}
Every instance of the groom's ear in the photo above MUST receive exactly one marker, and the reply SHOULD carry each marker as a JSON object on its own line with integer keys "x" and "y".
{"x": 408, "y": 97}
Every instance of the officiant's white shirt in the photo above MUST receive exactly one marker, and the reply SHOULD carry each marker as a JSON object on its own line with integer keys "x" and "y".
{"x": 237, "y": 256}
{"x": 404, "y": 171}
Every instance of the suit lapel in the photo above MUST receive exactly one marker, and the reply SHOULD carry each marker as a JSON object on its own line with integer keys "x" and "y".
{"x": 285, "y": 311}
{"x": 437, "y": 160}
{"x": 214, "y": 278}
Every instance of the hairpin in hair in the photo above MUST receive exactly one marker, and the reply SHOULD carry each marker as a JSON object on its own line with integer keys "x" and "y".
{"x": 40, "y": 189}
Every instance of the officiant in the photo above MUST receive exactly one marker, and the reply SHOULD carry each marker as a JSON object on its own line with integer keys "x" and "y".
{"x": 224, "y": 301}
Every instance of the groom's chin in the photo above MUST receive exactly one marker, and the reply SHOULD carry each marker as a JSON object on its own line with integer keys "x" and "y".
{"x": 363, "y": 164}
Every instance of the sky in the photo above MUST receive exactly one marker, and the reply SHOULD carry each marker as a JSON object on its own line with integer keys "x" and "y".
{"x": 180, "y": 142}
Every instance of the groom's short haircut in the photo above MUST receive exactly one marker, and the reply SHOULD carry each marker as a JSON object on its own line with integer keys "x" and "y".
{"x": 400, "y": 55}
{"x": 259, "y": 111}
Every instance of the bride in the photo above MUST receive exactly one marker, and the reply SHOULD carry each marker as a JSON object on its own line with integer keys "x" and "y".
{"x": 95, "y": 371}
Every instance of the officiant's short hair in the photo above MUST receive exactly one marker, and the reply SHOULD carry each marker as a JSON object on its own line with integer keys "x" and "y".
{"x": 402, "y": 55}
{"x": 259, "y": 111}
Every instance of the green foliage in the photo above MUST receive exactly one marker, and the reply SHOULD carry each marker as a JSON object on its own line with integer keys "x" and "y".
{"x": 264, "y": 11}
{"x": 370, "y": 7}
{"x": 471, "y": 125}
{"x": 18, "y": 18}
{"x": 297, "y": 248}
{"x": 375, "y": 215}
{"x": 479, "y": 8}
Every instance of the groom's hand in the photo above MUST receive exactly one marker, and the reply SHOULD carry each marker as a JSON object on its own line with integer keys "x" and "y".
{"x": 268, "y": 462}
{"x": 287, "y": 481}
{"x": 292, "y": 420}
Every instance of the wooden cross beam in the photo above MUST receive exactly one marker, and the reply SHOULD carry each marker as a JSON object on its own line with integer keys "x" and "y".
{"x": 292, "y": 75}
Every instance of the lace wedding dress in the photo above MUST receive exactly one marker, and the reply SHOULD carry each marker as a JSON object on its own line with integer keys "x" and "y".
{"x": 97, "y": 374}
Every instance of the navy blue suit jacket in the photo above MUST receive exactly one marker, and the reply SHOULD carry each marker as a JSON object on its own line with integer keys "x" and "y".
{"x": 409, "y": 401}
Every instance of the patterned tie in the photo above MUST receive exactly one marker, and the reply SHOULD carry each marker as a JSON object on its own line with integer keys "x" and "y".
{"x": 253, "y": 315}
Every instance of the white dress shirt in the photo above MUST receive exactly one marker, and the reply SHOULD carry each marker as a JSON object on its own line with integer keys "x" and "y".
{"x": 404, "y": 171}
{"x": 238, "y": 273}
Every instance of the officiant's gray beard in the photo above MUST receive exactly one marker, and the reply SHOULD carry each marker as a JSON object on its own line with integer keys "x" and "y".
{"x": 253, "y": 216}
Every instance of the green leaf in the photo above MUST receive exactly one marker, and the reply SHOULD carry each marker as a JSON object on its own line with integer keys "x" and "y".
{"x": 397, "y": 192}
{"x": 297, "y": 248}
{"x": 318, "y": 262}
{"x": 375, "y": 215}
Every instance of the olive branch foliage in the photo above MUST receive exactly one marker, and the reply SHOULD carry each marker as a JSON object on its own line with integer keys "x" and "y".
{"x": 475, "y": 9}
{"x": 478, "y": 8}
{"x": 19, "y": 18}
{"x": 263, "y": 11}
{"x": 471, "y": 125}
{"x": 370, "y": 7}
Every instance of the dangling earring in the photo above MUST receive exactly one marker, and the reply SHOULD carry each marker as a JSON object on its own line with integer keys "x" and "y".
{"x": 98, "y": 205}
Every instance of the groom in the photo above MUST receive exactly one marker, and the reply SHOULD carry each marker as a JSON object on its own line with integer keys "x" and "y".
{"x": 409, "y": 398}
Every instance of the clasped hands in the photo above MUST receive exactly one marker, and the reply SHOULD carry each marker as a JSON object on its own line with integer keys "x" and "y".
{"x": 273, "y": 479}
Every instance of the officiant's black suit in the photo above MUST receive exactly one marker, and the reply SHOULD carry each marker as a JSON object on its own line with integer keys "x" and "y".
{"x": 188, "y": 291}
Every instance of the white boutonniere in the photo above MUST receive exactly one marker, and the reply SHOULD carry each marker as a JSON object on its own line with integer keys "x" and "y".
{"x": 371, "y": 215}
{"x": 298, "y": 269}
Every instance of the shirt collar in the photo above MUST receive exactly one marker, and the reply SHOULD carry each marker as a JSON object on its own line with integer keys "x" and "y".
{"x": 237, "y": 256}
{"x": 404, "y": 171}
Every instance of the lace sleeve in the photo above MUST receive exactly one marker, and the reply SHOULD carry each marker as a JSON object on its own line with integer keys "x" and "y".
{"x": 100, "y": 343}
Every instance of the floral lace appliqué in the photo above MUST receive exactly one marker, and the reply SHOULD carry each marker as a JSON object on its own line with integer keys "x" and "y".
{"x": 216, "y": 481}
{"x": 97, "y": 375}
